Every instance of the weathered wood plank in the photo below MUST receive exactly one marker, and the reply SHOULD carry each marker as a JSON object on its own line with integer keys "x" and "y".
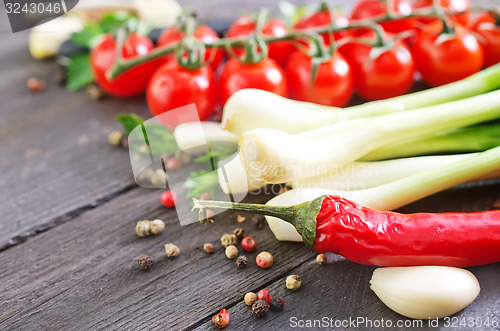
{"x": 83, "y": 274}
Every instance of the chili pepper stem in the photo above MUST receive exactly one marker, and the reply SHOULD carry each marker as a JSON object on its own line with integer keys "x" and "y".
{"x": 302, "y": 216}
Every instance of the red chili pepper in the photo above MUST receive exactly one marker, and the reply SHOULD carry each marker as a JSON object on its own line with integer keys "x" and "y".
{"x": 366, "y": 236}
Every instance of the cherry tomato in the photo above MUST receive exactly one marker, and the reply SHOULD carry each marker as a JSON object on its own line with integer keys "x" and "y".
{"x": 372, "y": 8}
{"x": 322, "y": 19}
{"x": 451, "y": 5}
{"x": 203, "y": 33}
{"x": 442, "y": 59}
{"x": 249, "y": 244}
{"x": 488, "y": 34}
{"x": 173, "y": 86}
{"x": 333, "y": 84}
{"x": 278, "y": 51}
{"x": 265, "y": 75}
{"x": 381, "y": 72}
{"x": 168, "y": 199}
{"x": 132, "y": 82}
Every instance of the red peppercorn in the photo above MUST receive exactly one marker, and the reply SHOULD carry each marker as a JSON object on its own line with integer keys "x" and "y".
{"x": 168, "y": 199}
{"x": 221, "y": 320}
{"x": 264, "y": 260}
{"x": 249, "y": 244}
{"x": 173, "y": 164}
{"x": 264, "y": 295}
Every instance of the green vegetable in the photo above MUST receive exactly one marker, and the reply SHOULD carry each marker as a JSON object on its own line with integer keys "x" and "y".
{"x": 79, "y": 74}
{"x": 129, "y": 121}
{"x": 276, "y": 157}
{"x": 200, "y": 182}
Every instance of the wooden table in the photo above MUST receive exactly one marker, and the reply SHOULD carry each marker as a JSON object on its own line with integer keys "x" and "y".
{"x": 69, "y": 206}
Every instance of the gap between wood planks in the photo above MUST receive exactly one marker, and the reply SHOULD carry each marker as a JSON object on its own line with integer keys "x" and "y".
{"x": 64, "y": 218}
{"x": 237, "y": 301}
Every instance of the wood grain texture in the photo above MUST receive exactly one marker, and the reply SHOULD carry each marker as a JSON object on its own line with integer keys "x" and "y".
{"x": 73, "y": 197}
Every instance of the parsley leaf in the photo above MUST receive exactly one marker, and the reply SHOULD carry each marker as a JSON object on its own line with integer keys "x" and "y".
{"x": 79, "y": 72}
{"x": 129, "y": 121}
{"x": 84, "y": 37}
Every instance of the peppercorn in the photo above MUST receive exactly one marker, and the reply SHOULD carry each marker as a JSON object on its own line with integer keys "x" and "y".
{"x": 240, "y": 233}
{"x": 209, "y": 248}
{"x": 143, "y": 229}
{"x": 124, "y": 142}
{"x": 249, "y": 244}
{"x": 241, "y": 261}
{"x": 260, "y": 308}
{"x": 147, "y": 228}
{"x": 231, "y": 252}
{"x": 184, "y": 157}
{"x": 277, "y": 304}
{"x": 157, "y": 226}
{"x": 293, "y": 282}
{"x": 159, "y": 178}
{"x": 259, "y": 221}
{"x": 145, "y": 262}
{"x": 250, "y": 298}
{"x": 264, "y": 295}
{"x": 221, "y": 320}
{"x": 264, "y": 260}
{"x": 115, "y": 138}
{"x": 240, "y": 219}
{"x": 228, "y": 239}
{"x": 173, "y": 164}
{"x": 171, "y": 250}
{"x": 168, "y": 199}
{"x": 144, "y": 176}
{"x": 321, "y": 259}
{"x": 35, "y": 85}
{"x": 204, "y": 196}
{"x": 95, "y": 92}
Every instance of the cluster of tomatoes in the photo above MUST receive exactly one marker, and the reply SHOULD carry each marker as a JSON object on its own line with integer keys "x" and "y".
{"x": 440, "y": 50}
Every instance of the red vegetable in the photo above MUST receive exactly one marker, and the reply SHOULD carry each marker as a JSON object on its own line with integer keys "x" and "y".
{"x": 173, "y": 86}
{"x": 333, "y": 84}
{"x": 446, "y": 58}
{"x": 265, "y": 75}
{"x": 488, "y": 35}
{"x": 274, "y": 27}
{"x": 366, "y": 236}
{"x": 203, "y": 33}
{"x": 380, "y": 72}
{"x": 451, "y": 5}
{"x": 374, "y": 8}
{"x": 132, "y": 82}
{"x": 322, "y": 19}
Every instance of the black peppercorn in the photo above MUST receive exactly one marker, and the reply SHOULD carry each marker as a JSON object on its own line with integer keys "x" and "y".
{"x": 241, "y": 261}
{"x": 260, "y": 308}
{"x": 277, "y": 304}
{"x": 259, "y": 221}
{"x": 145, "y": 262}
{"x": 240, "y": 233}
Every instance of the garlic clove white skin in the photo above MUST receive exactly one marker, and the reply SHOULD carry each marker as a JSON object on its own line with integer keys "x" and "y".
{"x": 425, "y": 292}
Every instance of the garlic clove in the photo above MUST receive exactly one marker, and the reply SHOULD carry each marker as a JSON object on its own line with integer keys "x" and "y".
{"x": 426, "y": 291}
